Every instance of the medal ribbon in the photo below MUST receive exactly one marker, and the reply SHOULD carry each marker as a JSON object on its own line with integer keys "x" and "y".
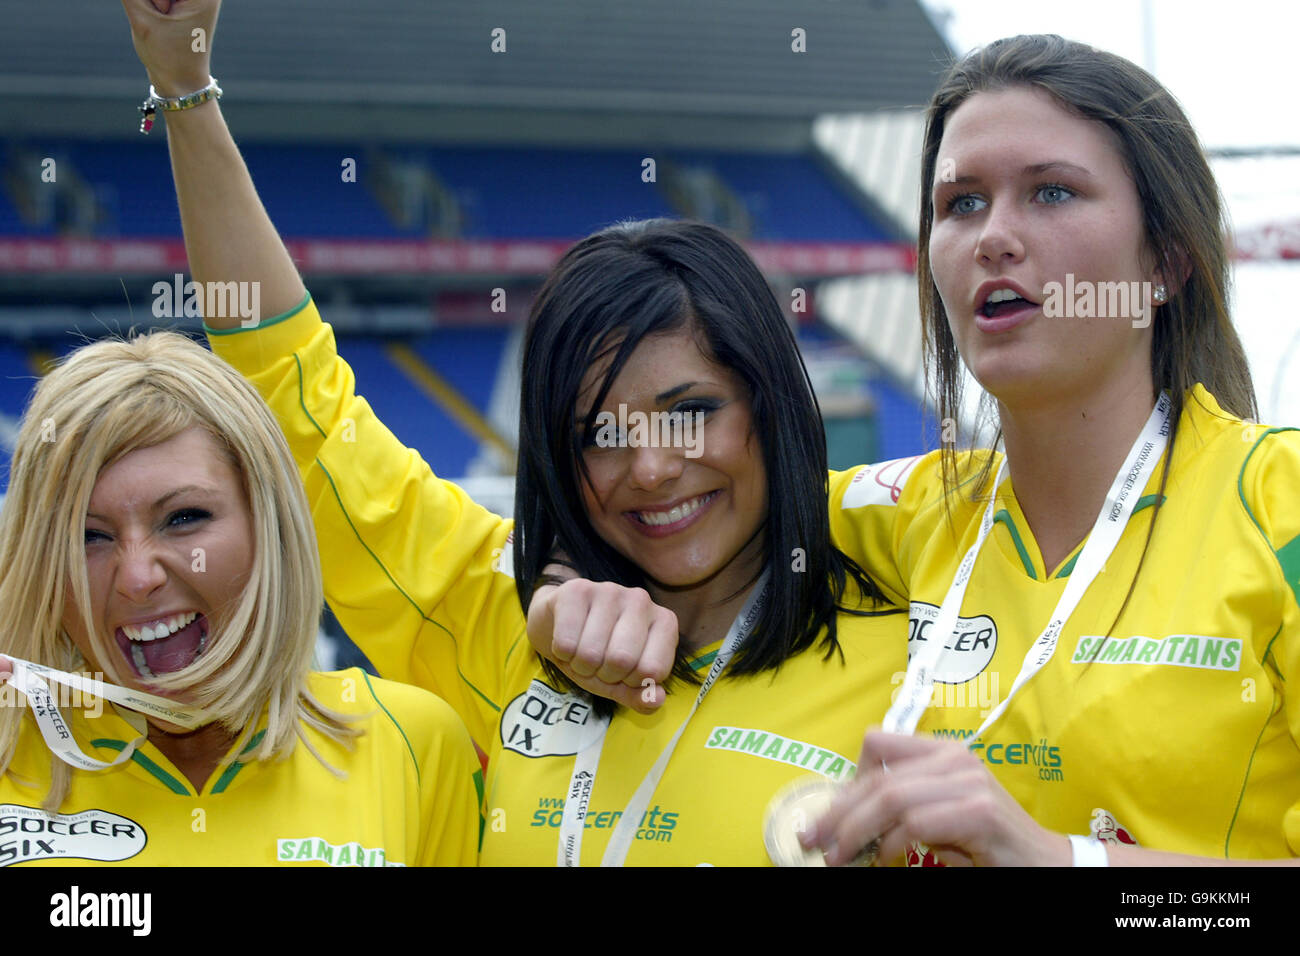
{"x": 29, "y": 679}
{"x": 1121, "y": 499}
{"x": 584, "y": 766}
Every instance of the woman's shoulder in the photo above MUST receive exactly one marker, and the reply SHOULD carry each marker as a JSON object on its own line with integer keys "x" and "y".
{"x": 401, "y": 727}
{"x": 355, "y": 691}
{"x": 1261, "y": 461}
{"x": 912, "y": 484}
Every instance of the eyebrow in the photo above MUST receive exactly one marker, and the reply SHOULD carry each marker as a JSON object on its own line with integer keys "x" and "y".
{"x": 1035, "y": 169}
{"x": 174, "y": 493}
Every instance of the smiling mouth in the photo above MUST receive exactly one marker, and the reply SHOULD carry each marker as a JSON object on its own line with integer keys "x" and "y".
{"x": 661, "y": 522}
{"x": 164, "y": 646}
{"x": 673, "y": 515}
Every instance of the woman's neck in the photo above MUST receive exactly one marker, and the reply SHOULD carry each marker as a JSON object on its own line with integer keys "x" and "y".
{"x": 705, "y": 611}
{"x": 1063, "y": 457}
{"x": 194, "y": 753}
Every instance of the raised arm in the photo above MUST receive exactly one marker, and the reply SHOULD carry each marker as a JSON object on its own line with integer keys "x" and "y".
{"x": 228, "y": 235}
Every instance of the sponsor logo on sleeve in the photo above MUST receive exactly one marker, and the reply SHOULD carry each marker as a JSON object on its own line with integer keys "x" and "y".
{"x": 542, "y": 722}
{"x": 29, "y": 833}
{"x": 968, "y": 651}
{"x": 878, "y": 484}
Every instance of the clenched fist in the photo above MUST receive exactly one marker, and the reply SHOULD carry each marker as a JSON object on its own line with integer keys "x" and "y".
{"x": 611, "y": 641}
{"x": 173, "y": 39}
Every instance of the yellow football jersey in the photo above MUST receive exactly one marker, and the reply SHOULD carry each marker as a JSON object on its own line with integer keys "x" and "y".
{"x": 1163, "y": 721}
{"x": 409, "y": 794}
{"x": 421, "y": 577}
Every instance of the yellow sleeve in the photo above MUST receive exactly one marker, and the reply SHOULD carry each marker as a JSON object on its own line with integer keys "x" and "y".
{"x": 870, "y": 510}
{"x": 410, "y": 562}
{"x": 451, "y": 794}
{"x": 1267, "y": 487}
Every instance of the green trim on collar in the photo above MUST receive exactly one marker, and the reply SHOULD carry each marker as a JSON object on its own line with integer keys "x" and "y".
{"x": 237, "y": 765}
{"x": 701, "y": 662}
{"x": 170, "y": 782}
{"x": 1004, "y": 517}
{"x": 1146, "y": 501}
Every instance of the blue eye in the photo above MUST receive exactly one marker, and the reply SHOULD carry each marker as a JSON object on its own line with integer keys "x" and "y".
{"x": 1061, "y": 193}
{"x": 93, "y": 536}
{"x": 965, "y": 205}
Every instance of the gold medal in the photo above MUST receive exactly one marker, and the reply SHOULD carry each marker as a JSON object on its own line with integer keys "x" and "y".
{"x": 792, "y": 812}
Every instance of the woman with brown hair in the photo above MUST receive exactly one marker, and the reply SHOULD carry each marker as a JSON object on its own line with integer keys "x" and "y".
{"x": 1126, "y": 568}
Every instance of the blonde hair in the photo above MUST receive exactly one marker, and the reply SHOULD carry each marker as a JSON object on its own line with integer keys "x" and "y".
{"x": 104, "y": 401}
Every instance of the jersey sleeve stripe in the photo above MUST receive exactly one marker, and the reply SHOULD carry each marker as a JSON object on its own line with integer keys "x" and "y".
{"x": 409, "y": 749}
{"x": 1290, "y": 562}
{"x": 1227, "y": 840}
{"x": 379, "y": 564}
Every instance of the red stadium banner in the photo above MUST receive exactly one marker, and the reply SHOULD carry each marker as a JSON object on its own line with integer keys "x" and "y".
{"x": 1273, "y": 241}
{"x": 516, "y": 258}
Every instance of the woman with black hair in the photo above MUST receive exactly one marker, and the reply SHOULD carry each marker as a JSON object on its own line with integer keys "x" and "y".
{"x": 670, "y": 444}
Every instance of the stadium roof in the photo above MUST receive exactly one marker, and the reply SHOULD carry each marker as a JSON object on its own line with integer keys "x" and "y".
{"x": 720, "y": 72}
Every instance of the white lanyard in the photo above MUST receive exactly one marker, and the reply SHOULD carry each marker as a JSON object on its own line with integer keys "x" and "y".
{"x": 27, "y": 679}
{"x": 1132, "y": 477}
{"x": 585, "y": 764}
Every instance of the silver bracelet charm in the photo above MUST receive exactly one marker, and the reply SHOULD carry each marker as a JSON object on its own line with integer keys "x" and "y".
{"x": 171, "y": 104}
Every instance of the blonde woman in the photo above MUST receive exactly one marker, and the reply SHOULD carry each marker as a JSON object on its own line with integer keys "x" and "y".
{"x": 156, "y": 535}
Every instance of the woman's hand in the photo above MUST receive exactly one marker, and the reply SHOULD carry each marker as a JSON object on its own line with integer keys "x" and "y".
{"x": 611, "y": 641}
{"x": 934, "y": 792}
{"x": 176, "y": 57}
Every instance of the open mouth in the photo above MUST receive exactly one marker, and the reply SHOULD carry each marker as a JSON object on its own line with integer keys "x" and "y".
{"x": 164, "y": 646}
{"x": 1004, "y": 302}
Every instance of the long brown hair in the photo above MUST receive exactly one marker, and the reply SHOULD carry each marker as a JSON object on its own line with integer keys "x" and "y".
{"x": 1182, "y": 212}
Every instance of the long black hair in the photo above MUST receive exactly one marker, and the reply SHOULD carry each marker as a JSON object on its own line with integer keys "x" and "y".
{"x": 605, "y": 295}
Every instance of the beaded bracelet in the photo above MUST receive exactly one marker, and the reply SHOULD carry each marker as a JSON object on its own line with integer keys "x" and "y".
{"x": 170, "y": 104}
